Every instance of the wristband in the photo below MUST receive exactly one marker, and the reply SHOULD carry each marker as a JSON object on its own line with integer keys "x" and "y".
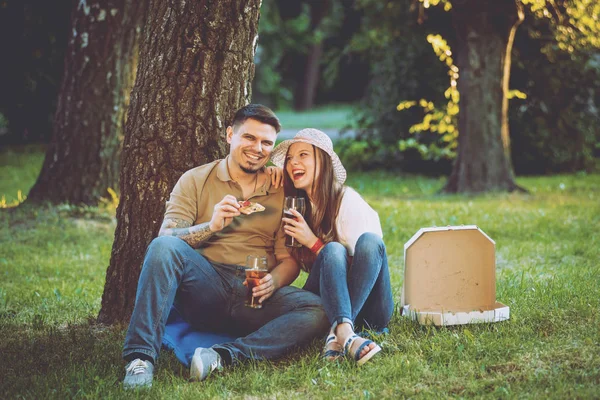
{"x": 317, "y": 246}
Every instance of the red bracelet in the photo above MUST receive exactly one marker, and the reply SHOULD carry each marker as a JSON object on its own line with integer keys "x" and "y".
{"x": 317, "y": 246}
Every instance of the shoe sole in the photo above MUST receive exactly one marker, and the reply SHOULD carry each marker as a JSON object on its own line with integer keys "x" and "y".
{"x": 369, "y": 355}
{"x": 140, "y": 386}
{"x": 195, "y": 369}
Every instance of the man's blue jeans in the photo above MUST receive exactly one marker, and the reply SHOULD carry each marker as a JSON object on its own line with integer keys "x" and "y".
{"x": 359, "y": 293}
{"x": 212, "y": 297}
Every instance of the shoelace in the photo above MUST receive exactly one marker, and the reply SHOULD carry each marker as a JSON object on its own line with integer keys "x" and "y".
{"x": 138, "y": 367}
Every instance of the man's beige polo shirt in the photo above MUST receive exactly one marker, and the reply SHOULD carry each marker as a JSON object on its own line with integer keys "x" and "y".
{"x": 194, "y": 197}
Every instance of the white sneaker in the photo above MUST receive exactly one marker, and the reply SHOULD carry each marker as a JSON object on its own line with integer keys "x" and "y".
{"x": 204, "y": 362}
{"x": 138, "y": 374}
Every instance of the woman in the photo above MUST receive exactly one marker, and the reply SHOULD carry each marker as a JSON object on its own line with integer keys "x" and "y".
{"x": 342, "y": 251}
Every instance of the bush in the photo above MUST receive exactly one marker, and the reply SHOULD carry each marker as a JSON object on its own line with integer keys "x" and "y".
{"x": 556, "y": 128}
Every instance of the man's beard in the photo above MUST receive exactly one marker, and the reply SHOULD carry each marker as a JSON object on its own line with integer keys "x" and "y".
{"x": 250, "y": 171}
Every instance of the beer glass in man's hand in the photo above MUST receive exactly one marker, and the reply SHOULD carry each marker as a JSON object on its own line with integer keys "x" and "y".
{"x": 293, "y": 203}
{"x": 256, "y": 269}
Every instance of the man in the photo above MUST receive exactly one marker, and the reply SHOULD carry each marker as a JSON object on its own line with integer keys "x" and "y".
{"x": 197, "y": 262}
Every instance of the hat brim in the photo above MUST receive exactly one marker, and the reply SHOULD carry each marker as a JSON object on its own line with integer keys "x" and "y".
{"x": 280, "y": 151}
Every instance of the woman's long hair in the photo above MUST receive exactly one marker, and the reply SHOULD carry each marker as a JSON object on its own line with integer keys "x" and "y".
{"x": 327, "y": 196}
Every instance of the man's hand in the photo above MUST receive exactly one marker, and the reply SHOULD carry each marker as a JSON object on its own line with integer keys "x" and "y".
{"x": 224, "y": 212}
{"x": 299, "y": 229}
{"x": 276, "y": 174}
{"x": 265, "y": 288}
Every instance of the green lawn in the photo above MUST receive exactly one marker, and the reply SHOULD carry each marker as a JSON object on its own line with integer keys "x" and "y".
{"x": 53, "y": 263}
{"x": 327, "y": 117}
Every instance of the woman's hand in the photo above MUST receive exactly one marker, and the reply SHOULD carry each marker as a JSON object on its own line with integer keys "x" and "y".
{"x": 276, "y": 174}
{"x": 299, "y": 229}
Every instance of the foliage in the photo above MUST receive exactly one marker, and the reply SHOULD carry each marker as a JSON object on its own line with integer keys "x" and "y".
{"x": 442, "y": 123}
{"x": 19, "y": 169}
{"x": 555, "y": 129}
{"x": 53, "y": 268}
{"x": 276, "y": 37}
{"x": 33, "y": 38}
{"x": 402, "y": 67}
{"x": 555, "y": 70}
{"x": 447, "y": 4}
{"x": 358, "y": 155}
{"x": 436, "y": 136}
{"x": 576, "y": 26}
{"x": 285, "y": 35}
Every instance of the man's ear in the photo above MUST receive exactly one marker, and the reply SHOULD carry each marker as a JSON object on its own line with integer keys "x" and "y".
{"x": 229, "y": 134}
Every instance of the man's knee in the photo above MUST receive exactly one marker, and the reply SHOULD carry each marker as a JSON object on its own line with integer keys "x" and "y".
{"x": 163, "y": 250}
{"x": 164, "y": 243}
{"x": 314, "y": 306}
{"x": 164, "y": 246}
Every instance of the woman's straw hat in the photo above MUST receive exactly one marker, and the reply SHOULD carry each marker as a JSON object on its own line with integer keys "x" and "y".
{"x": 314, "y": 137}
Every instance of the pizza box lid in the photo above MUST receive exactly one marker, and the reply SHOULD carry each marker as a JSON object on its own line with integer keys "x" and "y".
{"x": 450, "y": 277}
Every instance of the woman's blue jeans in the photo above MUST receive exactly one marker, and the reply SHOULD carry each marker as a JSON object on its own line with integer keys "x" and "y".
{"x": 360, "y": 292}
{"x": 211, "y": 297}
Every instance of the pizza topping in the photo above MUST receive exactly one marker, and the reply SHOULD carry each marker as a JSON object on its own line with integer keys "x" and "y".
{"x": 248, "y": 207}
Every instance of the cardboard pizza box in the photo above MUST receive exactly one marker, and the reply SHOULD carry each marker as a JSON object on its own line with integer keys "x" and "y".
{"x": 450, "y": 277}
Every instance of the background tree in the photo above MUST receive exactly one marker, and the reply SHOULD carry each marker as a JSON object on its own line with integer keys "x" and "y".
{"x": 392, "y": 37}
{"x": 485, "y": 31}
{"x": 557, "y": 54}
{"x": 307, "y": 88}
{"x": 196, "y": 69}
{"x": 301, "y": 58}
{"x": 82, "y": 160}
{"x": 554, "y": 64}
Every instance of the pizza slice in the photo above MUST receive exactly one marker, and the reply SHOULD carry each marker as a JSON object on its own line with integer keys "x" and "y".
{"x": 249, "y": 207}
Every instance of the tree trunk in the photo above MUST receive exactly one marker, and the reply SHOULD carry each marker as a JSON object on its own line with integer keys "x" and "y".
{"x": 196, "y": 70}
{"x": 485, "y": 31}
{"x": 307, "y": 90}
{"x": 82, "y": 160}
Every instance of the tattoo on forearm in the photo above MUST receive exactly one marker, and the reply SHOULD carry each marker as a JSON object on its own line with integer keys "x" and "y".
{"x": 195, "y": 235}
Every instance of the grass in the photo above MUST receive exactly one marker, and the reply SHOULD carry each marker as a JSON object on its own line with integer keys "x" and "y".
{"x": 19, "y": 168}
{"x": 327, "y": 117}
{"x": 53, "y": 262}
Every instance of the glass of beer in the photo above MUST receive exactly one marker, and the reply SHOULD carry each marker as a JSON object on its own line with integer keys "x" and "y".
{"x": 293, "y": 203}
{"x": 256, "y": 269}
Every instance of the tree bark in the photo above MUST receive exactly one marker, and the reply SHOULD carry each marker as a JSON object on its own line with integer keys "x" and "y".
{"x": 196, "y": 70}
{"x": 82, "y": 160}
{"x": 485, "y": 32}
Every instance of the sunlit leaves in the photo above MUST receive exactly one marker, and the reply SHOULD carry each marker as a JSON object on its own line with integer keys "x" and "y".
{"x": 9, "y": 204}
{"x": 443, "y": 121}
{"x": 516, "y": 93}
{"x": 576, "y": 23}
{"x": 428, "y": 3}
{"x": 440, "y": 122}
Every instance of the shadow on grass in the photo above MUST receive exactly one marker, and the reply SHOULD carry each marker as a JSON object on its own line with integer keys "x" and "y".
{"x": 84, "y": 360}
{"x": 64, "y": 361}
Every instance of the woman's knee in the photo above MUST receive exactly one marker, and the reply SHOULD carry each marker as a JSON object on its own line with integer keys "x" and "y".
{"x": 334, "y": 249}
{"x": 333, "y": 253}
{"x": 370, "y": 242}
